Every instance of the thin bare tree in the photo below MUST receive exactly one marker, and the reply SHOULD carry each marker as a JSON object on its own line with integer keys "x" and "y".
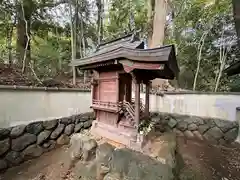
{"x": 28, "y": 39}
{"x": 9, "y": 39}
{"x": 73, "y": 42}
{"x": 223, "y": 51}
{"x": 199, "y": 58}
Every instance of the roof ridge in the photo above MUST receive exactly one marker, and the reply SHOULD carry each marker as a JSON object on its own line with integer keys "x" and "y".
{"x": 128, "y": 35}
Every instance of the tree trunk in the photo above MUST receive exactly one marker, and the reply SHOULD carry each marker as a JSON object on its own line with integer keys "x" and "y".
{"x": 73, "y": 44}
{"x": 9, "y": 40}
{"x": 200, "y": 47}
{"x": 222, "y": 59}
{"x": 99, "y": 20}
{"x": 159, "y": 22}
{"x": 23, "y": 36}
{"x": 150, "y": 4}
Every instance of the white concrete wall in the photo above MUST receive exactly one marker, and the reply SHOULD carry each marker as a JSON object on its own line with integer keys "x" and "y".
{"x": 206, "y": 105}
{"x": 19, "y": 106}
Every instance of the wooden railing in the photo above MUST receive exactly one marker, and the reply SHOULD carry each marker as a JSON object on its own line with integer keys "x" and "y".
{"x": 142, "y": 106}
{"x": 129, "y": 108}
{"x": 105, "y": 104}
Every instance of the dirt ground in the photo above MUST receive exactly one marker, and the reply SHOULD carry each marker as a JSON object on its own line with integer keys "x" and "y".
{"x": 53, "y": 165}
{"x": 200, "y": 161}
{"x": 203, "y": 161}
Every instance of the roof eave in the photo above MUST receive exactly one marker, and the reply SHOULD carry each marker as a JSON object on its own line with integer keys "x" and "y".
{"x": 233, "y": 69}
{"x": 146, "y": 55}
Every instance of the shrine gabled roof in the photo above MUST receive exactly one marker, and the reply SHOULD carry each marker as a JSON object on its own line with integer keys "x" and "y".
{"x": 129, "y": 49}
{"x": 236, "y": 12}
{"x": 128, "y": 41}
{"x": 164, "y": 55}
{"x": 161, "y": 54}
{"x": 233, "y": 69}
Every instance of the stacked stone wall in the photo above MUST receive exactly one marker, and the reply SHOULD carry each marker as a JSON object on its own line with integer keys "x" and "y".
{"x": 216, "y": 131}
{"x": 25, "y": 142}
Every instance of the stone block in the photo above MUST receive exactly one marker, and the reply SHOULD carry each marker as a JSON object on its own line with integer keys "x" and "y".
{"x": 34, "y": 128}
{"x": 17, "y": 131}
{"x": 14, "y": 158}
{"x": 83, "y": 147}
{"x": 195, "y": 120}
{"x": 87, "y": 124}
{"x": 78, "y": 127}
{"x": 63, "y": 140}
{"x": 172, "y": 123}
{"x": 188, "y": 134}
{"x": 209, "y": 138}
{"x": 4, "y": 133}
{"x": 23, "y": 141}
{"x": 3, "y": 165}
{"x": 43, "y": 136}
{"x": 224, "y": 125}
{"x": 84, "y": 119}
{"x": 58, "y": 131}
{"x": 166, "y": 153}
{"x": 231, "y": 135}
{"x": 4, "y": 146}
{"x": 103, "y": 151}
{"x": 178, "y": 132}
{"x": 133, "y": 165}
{"x": 72, "y": 119}
{"x": 112, "y": 176}
{"x": 69, "y": 129}
{"x": 50, "y": 124}
{"x": 203, "y": 128}
{"x": 65, "y": 120}
{"x": 32, "y": 151}
{"x": 214, "y": 132}
{"x": 182, "y": 125}
{"x": 49, "y": 145}
{"x": 210, "y": 122}
{"x": 192, "y": 127}
{"x": 77, "y": 118}
{"x": 198, "y": 135}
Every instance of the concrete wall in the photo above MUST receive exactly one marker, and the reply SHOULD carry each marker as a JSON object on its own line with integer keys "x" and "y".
{"x": 25, "y": 105}
{"x": 205, "y": 105}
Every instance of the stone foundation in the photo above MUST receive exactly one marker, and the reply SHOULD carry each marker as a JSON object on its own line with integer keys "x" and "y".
{"x": 216, "y": 131}
{"x": 24, "y": 142}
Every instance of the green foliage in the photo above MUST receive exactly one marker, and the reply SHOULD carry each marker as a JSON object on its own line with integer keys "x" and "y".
{"x": 120, "y": 13}
{"x": 51, "y": 56}
{"x": 191, "y": 19}
{"x": 50, "y": 38}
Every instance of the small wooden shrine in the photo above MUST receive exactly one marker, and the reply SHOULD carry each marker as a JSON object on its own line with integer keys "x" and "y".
{"x": 119, "y": 67}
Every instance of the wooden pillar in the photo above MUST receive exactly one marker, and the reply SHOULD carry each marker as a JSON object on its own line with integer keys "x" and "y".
{"x": 238, "y": 121}
{"x": 92, "y": 88}
{"x": 137, "y": 102}
{"x": 147, "y": 99}
{"x": 117, "y": 98}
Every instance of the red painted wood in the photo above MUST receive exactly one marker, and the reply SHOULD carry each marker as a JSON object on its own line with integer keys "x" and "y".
{"x": 108, "y": 97}
{"x": 129, "y": 66}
